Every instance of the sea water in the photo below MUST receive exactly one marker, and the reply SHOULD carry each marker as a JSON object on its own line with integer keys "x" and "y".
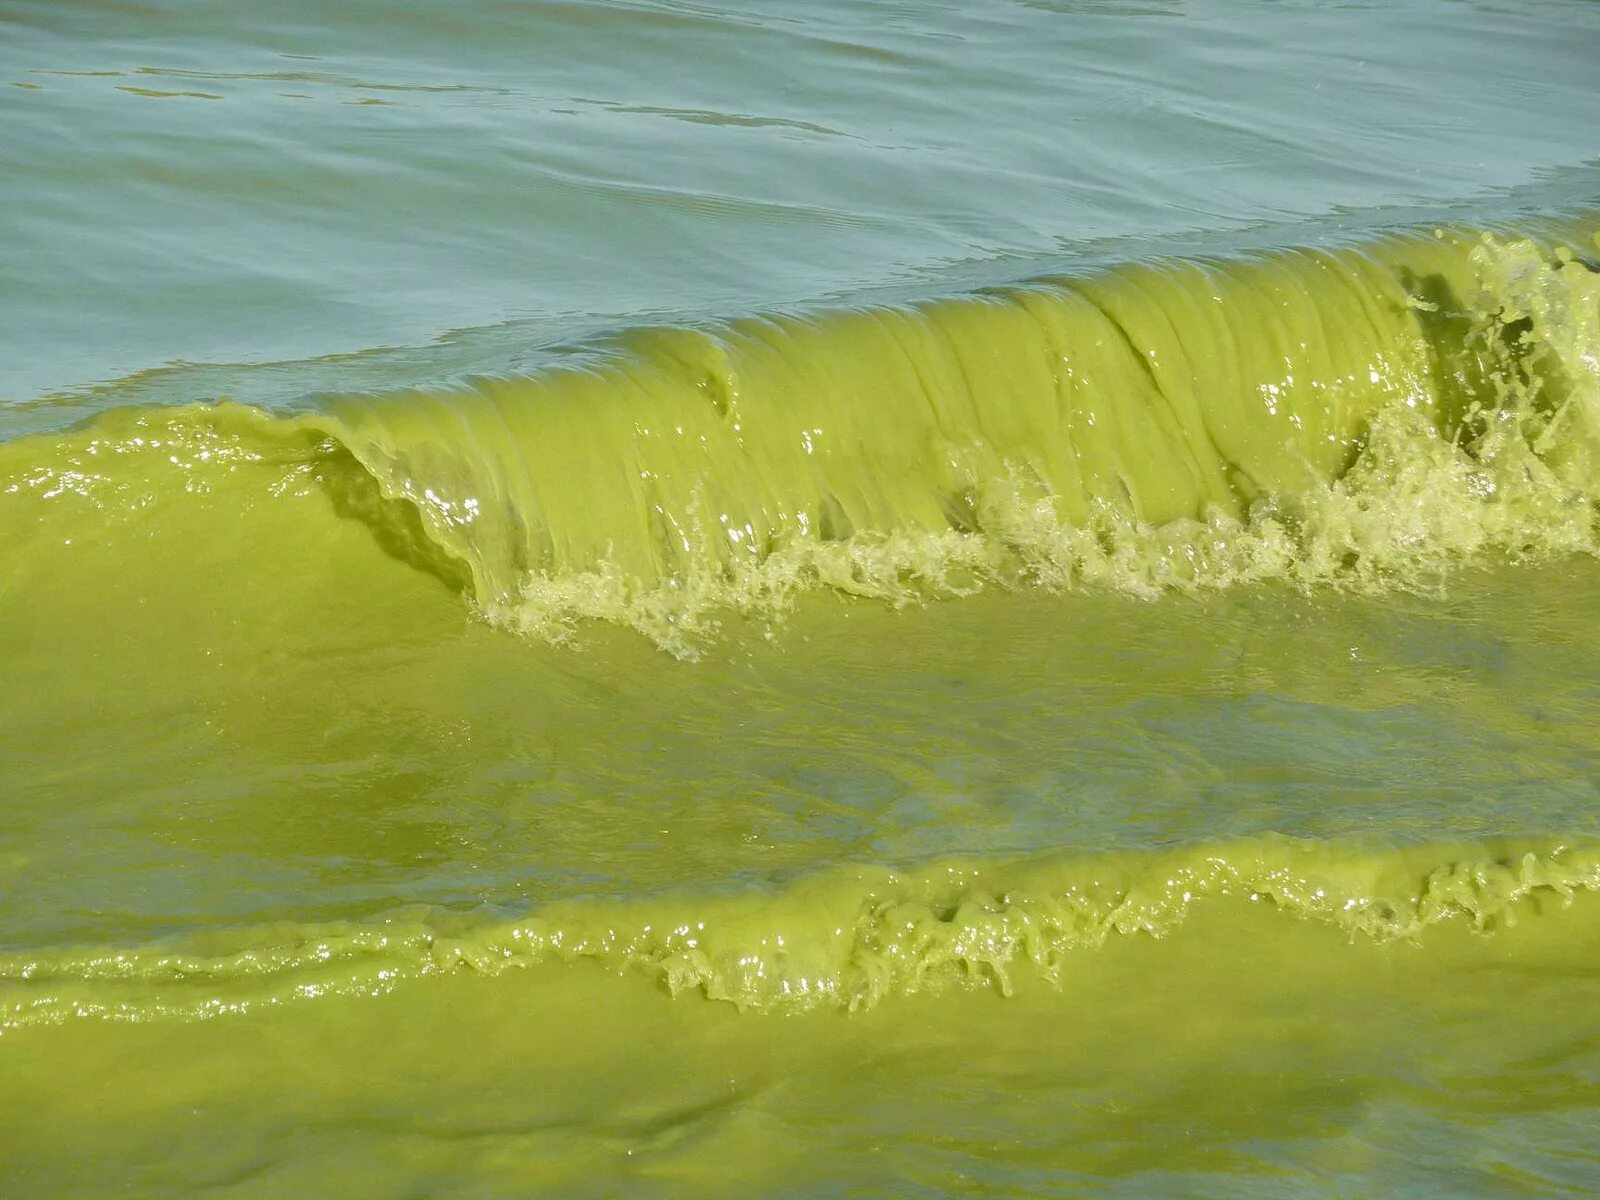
{"x": 657, "y": 599}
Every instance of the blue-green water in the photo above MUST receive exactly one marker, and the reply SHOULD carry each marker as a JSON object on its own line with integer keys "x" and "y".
{"x": 237, "y": 185}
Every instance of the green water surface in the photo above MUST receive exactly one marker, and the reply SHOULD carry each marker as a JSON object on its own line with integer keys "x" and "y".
{"x": 661, "y": 599}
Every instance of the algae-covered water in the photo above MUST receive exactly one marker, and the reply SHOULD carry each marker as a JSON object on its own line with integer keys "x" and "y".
{"x": 660, "y": 599}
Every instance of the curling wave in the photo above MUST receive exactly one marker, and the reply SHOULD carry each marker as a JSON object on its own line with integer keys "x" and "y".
{"x": 1362, "y": 417}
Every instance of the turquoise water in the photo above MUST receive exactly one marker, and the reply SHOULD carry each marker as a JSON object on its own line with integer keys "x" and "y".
{"x": 234, "y": 186}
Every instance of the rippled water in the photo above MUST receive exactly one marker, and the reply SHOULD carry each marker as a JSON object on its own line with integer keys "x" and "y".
{"x": 647, "y": 598}
{"x": 242, "y": 185}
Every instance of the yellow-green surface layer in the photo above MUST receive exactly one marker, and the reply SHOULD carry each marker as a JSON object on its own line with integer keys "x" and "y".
{"x": 1131, "y": 733}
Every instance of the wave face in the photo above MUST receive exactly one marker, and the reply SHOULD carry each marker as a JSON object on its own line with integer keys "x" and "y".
{"x": 1361, "y": 417}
